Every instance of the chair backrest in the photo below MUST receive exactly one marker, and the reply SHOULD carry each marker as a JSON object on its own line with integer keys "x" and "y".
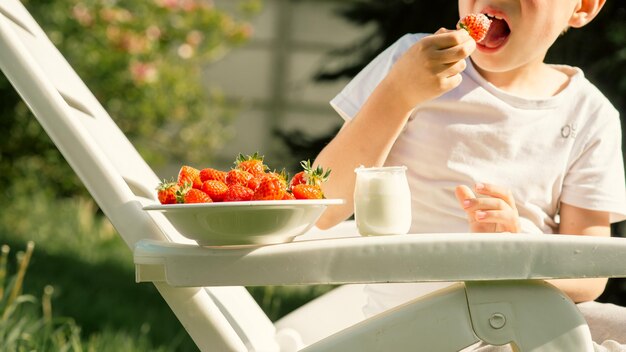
{"x": 109, "y": 166}
{"x": 117, "y": 177}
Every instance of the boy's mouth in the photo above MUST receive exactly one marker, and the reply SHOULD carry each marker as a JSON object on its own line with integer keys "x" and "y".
{"x": 498, "y": 33}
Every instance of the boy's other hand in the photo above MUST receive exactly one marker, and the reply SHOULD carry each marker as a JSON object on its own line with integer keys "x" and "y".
{"x": 432, "y": 66}
{"x": 495, "y": 212}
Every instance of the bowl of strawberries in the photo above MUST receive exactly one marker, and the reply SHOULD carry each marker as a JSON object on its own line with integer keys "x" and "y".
{"x": 246, "y": 205}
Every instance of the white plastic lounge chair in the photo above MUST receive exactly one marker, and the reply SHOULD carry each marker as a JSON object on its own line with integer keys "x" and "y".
{"x": 499, "y": 298}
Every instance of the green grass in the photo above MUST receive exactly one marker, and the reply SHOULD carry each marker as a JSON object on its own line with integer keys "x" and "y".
{"x": 80, "y": 255}
{"x": 28, "y": 324}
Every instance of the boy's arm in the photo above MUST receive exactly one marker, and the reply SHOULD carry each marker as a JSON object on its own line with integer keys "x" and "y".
{"x": 365, "y": 140}
{"x": 428, "y": 69}
{"x": 585, "y": 222}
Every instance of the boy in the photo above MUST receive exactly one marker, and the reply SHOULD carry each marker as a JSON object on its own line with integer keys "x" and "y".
{"x": 540, "y": 145}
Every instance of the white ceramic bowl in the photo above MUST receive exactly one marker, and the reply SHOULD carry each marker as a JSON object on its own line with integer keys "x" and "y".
{"x": 244, "y": 223}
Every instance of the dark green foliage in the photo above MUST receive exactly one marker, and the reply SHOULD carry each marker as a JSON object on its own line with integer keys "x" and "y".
{"x": 392, "y": 19}
{"x": 143, "y": 61}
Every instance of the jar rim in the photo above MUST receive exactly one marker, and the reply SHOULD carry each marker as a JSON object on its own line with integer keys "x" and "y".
{"x": 380, "y": 169}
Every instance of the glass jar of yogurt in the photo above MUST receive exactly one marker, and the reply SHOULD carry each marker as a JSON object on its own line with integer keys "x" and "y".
{"x": 382, "y": 201}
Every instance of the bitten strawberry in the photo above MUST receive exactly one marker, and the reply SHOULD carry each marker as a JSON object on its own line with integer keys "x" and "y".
{"x": 194, "y": 195}
{"x": 189, "y": 175}
{"x": 476, "y": 24}
{"x": 304, "y": 191}
{"x": 166, "y": 192}
{"x": 251, "y": 163}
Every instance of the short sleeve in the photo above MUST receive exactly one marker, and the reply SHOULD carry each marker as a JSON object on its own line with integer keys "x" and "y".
{"x": 595, "y": 179}
{"x": 350, "y": 100}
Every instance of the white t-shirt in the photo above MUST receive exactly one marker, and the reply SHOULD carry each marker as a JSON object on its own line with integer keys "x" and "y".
{"x": 566, "y": 148}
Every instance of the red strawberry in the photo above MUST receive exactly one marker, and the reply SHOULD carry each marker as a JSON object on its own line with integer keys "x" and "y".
{"x": 281, "y": 176}
{"x": 477, "y": 25}
{"x": 191, "y": 175}
{"x": 254, "y": 183}
{"x": 238, "y": 193}
{"x": 298, "y": 179}
{"x": 238, "y": 177}
{"x": 194, "y": 195}
{"x": 215, "y": 189}
{"x": 309, "y": 175}
{"x": 307, "y": 192}
{"x": 212, "y": 174}
{"x": 288, "y": 196}
{"x": 271, "y": 188}
{"x": 251, "y": 163}
{"x": 166, "y": 192}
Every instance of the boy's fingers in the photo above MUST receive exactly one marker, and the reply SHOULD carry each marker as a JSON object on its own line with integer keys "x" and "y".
{"x": 462, "y": 193}
{"x": 443, "y": 38}
{"x": 485, "y": 204}
{"x": 454, "y": 69}
{"x": 503, "y": 218}
{"x": 497, "y": 192}
{"x": 455, "y": 53}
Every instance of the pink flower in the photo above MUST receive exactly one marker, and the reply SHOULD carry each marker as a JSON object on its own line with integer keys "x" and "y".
{"x": 194, "y": 38}
{"x": 153, "y": 32}
{"x": 116, "y": 15}
{"x": 168, "y": 4}
{"x": 143, "y": 72}
{"x": 82, "y": 15}
{"x": 188, "y": 5}
{"x": 133, "y": 43}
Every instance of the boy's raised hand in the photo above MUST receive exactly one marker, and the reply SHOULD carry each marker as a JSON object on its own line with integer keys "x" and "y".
{"x": 495, "y": 212}
{"x": 432, "y": 66}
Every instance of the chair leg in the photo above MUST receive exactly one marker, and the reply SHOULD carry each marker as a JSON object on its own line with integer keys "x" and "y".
{"x": 532, "y": 315}
{"x": 436, "y": 322}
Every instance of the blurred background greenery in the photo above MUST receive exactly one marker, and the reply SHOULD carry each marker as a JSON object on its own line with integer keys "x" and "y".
{"x": 172, "y": 74}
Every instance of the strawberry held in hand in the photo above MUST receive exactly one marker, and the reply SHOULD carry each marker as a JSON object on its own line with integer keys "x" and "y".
{"x": 476, "y": 24}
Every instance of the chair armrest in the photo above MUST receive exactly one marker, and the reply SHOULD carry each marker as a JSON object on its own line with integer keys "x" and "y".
{"x": 399, "y": 258}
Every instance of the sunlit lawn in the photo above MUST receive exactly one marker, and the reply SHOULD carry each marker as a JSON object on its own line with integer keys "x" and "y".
{"x": 82, "y": 257}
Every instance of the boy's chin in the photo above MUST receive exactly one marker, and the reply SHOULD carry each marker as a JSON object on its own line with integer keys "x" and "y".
{"x": 485, "y": 63}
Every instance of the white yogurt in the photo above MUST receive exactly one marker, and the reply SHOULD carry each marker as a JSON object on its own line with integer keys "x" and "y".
{"x": 382, "y": 201}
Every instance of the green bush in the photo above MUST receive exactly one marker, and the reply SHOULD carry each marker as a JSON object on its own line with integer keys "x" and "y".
{"x": 143, "y": 60}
